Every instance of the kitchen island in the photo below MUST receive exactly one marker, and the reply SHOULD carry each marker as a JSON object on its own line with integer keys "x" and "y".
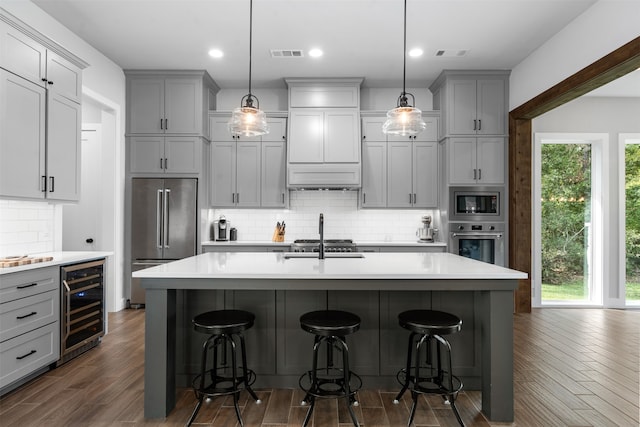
{"x": 376, "y": 286}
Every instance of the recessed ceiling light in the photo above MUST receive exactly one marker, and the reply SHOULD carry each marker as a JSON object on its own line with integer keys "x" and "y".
{"x": 416, "y": 52}
{"x": 216, "y": 53}
{"x": 315, "y": 53}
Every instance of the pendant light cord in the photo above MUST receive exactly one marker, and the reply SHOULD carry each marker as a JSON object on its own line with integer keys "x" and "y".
{"x": 251, "y": 38}
{"x": 404, "y": 52}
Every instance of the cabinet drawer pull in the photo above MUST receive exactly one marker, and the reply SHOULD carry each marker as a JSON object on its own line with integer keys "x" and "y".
{"x": 26, "y": 355}
{"x": 26, "y": 286}
{"x": 33, "y": 313}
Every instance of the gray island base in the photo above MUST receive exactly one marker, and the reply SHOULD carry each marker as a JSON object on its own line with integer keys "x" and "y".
{"x": 376, "y": 287}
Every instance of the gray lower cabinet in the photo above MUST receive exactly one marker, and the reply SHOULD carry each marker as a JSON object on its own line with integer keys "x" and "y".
{"x": 364, "y": 354}
{"x": 261, "y": 338}
{"x": 29, "y": 324}
{"x": 295, "y": 345}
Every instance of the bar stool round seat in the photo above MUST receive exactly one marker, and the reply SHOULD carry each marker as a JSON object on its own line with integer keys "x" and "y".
{"x": 430, "y": 376}
{"x": 224, "y": 328}
{"x": 330, "y": 327}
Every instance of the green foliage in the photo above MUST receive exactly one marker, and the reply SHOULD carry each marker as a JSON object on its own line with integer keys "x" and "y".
{"x": 566, "y": 194}
{"x": 632, "y": 193}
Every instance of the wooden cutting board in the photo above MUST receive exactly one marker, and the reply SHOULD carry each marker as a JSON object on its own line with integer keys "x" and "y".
{"x": 15, "y": 261}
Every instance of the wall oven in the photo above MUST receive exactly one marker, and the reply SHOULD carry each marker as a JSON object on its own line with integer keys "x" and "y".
{"x": 479, "y": 241}
{"x": 476, "y": 204}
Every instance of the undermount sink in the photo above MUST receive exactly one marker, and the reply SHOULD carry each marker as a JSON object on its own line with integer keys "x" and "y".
{"x": 289, "y": 255}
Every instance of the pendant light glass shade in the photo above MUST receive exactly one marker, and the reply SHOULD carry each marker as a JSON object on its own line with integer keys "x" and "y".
{"x": 248, "y": 120}
{"x": 405, "y": 119}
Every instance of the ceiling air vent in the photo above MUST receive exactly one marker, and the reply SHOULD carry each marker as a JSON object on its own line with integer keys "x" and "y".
{"x": 452, "y": 52}
{"x": 287, "y": 53}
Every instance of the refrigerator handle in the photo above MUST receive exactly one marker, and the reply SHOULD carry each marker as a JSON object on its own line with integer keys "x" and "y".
{"x": 159, "y": 211}
{"x": 167, "y": 193}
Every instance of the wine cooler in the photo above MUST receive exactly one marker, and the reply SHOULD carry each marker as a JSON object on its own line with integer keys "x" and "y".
{"x": 83, "y": 308}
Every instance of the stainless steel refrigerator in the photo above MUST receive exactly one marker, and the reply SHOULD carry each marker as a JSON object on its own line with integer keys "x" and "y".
{"x": 163, "y": 224}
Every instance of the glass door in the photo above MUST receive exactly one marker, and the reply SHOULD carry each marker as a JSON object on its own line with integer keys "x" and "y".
{"x": 566, "y": 254}
{"x": 632, "y": 222}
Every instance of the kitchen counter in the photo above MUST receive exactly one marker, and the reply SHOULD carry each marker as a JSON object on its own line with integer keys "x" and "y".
{"x": 376, "y": 287}
{"x": 263, "y": 243}
{"x": 59, "y": 258}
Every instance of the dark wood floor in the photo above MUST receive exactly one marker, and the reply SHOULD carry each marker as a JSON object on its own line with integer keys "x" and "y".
{"x": 573, "y": 367}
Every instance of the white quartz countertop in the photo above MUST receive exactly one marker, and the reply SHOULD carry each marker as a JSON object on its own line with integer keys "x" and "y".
{"x": 384, "y": 266}
{"x": 59, "y": 258}
{"x": 287, "y": 244}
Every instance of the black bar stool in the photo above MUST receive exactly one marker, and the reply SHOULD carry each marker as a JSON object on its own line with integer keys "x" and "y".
{"x": 330, "y": 327}
{"x": 427, "y": 326}
{"x": 223, "y": 326}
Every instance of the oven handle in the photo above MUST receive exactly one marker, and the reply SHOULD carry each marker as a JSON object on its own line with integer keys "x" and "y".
{"x": 67, "y": 310}
{"x": 467, "y": 235}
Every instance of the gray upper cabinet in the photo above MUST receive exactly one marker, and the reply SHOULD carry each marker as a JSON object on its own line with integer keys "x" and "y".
{"x": 476, "y": 160}
{"x": 399, "y": 172}
{"x": 248, "y": 172}
{"x": 40, "y": 116}
{"x": 169, "y": 102}
{"x": 472, "y": 102}
{"x": 165, "y": 154}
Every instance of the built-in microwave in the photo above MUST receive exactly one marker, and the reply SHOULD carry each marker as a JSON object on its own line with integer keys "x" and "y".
{"x": 476, "y": 204}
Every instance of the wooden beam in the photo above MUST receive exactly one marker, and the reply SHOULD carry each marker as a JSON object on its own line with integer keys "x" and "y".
{"x": 612, "y": 66}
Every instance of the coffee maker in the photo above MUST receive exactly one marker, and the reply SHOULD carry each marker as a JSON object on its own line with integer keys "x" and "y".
{"x": 221, "y": 229}
{"x": 426, "y": 233}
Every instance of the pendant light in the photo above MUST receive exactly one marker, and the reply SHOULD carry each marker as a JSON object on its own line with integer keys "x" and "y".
{"x": 405, "y": 119}
{"x": 249, "y": 120}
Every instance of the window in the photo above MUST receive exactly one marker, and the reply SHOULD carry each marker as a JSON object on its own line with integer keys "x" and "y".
{"x": 630, "y": 221}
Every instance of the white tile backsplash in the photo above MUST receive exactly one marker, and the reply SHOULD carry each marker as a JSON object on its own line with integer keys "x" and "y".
{"x": 342, "y": 219}
{"x": 28, "y": 227}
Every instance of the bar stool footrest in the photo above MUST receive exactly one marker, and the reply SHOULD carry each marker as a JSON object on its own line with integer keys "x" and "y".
{"x": 210, "y": 391}
{"x": 429, "y": 384}
{"x": 330, "y": 384}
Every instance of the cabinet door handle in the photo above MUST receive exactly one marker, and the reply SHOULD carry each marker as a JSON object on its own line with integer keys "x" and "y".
{"x": 161, "y": 124}
{"x": 50, "y": 82}
{"x": 160, "y": 162}
{"x": 43, "y": 184}
{"x": 479, "y": 174}
{"x": 44, "y": 79}
{"x": 28, "y": 354}
{"x": 31, "y": 285}
{"x": 364, "y": 198}
{"x": 479, "y": 124}
{"x": 233, "y": 197}
{"x": 410, "y": 198}
{"x": 475, "y": 123}
{"x": 166, "y": 163}
{"x": 282, "y": 197}
{"x": 52, "y": 184}
{"x": 33, "y": 313}
{"x": 414, "y": 198}
{"x": 166, "y": 124}
{"x": 237, "y": 197}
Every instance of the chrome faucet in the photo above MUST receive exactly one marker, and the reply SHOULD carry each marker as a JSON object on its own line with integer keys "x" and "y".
{"x": 321, "y": 248}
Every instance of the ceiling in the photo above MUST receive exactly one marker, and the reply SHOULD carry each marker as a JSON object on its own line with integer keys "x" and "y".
{"x": 360, "y": 38}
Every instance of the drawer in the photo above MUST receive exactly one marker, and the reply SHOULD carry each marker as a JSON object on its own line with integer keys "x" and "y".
{"x": 23, "y": 315}
{"x": 29, "y": 352}
{"x": 27, "y": 283}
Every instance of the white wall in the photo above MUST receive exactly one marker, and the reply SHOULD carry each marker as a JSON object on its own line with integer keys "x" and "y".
{"x": 370, "y": 98}
{"x": 601, "y": 29}
{"x": 600, "y": 115}
{"x": 342, "y": 219}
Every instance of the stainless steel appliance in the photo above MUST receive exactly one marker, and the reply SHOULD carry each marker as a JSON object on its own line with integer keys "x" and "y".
{"x": 221, "y": 229}
{"x": 163, "y": 224}
{"x": 476, "y": 204}
{"x": 479, "y": 241}
{"x": 330, "y": 245}
{"x": 83, "y": 310}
